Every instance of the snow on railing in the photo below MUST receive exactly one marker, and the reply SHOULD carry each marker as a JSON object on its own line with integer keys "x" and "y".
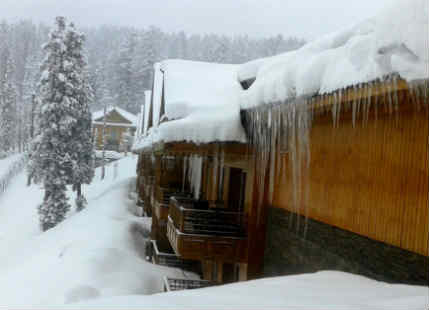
{"x": 15, "y": 168}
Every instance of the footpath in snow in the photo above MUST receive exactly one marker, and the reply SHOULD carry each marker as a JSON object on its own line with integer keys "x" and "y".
{"x": 98, "y": 252}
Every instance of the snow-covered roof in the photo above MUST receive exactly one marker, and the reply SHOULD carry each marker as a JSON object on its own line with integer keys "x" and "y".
{"x": 201, "y": 103}
{"x": 395, "y": 41}
{"x": 147, "y": 96}
{"x": 158, "y": 82}
{"x": 125, "y": 114}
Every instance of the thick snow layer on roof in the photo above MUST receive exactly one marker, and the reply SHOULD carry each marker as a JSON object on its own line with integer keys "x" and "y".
{"x": 157, "y": 93}
{"x": 396, "y": 41}
{"x": 321, "y": 290}
{"x": 125, "y": 114}
{"x": 201, "y": 104}
{"x": 147, "y": 96}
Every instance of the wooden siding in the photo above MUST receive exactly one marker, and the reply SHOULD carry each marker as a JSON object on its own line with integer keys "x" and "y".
{"x": 371, "y": 179}
{"x": 98, "y": 133}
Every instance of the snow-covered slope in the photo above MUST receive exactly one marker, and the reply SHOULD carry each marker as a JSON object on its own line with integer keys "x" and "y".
{"x": 97, "y": 252}
{"x": 322, "y": 290}
{"x": 396, "y": 41}
{"x": 6, "y": 163}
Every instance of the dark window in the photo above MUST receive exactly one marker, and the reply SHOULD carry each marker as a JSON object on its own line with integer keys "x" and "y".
{"x": 237, "y": 189}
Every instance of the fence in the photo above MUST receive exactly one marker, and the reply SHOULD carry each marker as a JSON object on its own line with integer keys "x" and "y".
{"x": 13, "y": 171}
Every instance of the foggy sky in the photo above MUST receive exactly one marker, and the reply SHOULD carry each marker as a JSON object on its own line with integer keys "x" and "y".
{"x": 302, "y": 18}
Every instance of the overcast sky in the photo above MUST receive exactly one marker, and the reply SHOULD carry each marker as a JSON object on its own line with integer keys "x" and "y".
{"x": 302, "y": 18}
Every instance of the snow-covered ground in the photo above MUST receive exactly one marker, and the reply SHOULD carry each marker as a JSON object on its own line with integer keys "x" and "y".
{"x": 98, "y": 252}
{"x": 6, "y": 163}
{"x": 322, "y": 290}
{"x": 109, "y": 154}
{"x": 95, "y": 260}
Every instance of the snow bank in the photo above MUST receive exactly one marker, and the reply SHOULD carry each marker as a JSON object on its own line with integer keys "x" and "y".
{"x": 396, "y": 41}
{"x": 97, "y": 252}
{"x": 321, "y": 290}
{"x": 201, "y": 104}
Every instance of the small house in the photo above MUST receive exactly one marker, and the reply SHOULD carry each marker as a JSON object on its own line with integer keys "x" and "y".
{"x": 117, "y": 123}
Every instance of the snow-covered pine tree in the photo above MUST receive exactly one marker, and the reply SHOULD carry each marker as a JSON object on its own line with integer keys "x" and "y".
{"x": 7, "y": 104}
{"x": 50, "y": 159}
{"x": 80, "y": 93}
{"x": 63, "y": 152}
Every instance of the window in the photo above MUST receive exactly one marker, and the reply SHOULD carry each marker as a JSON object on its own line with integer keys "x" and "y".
{"x": 113, "y": 134}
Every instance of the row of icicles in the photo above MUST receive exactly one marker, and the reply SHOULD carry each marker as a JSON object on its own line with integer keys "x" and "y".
{"x": 285, "y": 128}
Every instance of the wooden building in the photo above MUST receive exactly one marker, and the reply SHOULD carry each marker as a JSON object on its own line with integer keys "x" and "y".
{"x": 118, "y": 123}
{"x": 328, "y": 172}
{"x": 351, "y": 193}
{"x": 200, "y": 192}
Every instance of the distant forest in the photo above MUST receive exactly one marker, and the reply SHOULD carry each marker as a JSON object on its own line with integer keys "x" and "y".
{"x": 120, "y": 61}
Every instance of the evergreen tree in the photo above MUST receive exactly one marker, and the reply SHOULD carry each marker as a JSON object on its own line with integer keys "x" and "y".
{"x": 50, "y": 156}
{"x": 8, "y": 95}
{"x": 80, "y": 96}
{"x": 63, "y": 151}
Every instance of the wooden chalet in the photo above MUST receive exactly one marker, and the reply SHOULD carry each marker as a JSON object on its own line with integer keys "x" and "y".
{"x": 333, "y": 180}
{"x": 118, "y": 122}
{"x": 201, "y": 196}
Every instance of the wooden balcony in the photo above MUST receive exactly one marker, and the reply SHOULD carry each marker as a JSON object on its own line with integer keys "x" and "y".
{"x": 161, "y": 210}
{"x": 195, "y": 217}
{"x": 161, "y": 202}
{"x": 207, "y": 234}
{"x": 172, "y": 284}
{"x": 169, "y": 259}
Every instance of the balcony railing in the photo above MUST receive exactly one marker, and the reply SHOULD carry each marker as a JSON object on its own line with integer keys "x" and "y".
{"x": 198, "y": 233}
{"x": 191, "y": 217}
{"x": 162, "y": 199}
{"x": 169, "y": 259}
{"x": 172, "y": 284}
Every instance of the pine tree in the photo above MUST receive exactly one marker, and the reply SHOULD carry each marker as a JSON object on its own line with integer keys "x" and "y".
{"x": 81, "y": 96}
{"x": 63, "y": 151}
{"x": 8, "y": 96}
{"x": 50, "y": 155}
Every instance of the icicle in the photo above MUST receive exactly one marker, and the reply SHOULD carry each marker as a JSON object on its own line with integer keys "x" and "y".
{"x": 368, "y": 105}
{"x": 195, "y": 173}
{"x": 360, "y": 99}
{"x": 334, "y": 112}
{"x": 389, "y": 97}
{"x": 215, "y": 169}
{"x": 376, "y": 106}
{"x": 354, "y": 106}
{"x": 340, "y": 98}
{"x": 220, "y": 188}
{"x": 184, "y": 173}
